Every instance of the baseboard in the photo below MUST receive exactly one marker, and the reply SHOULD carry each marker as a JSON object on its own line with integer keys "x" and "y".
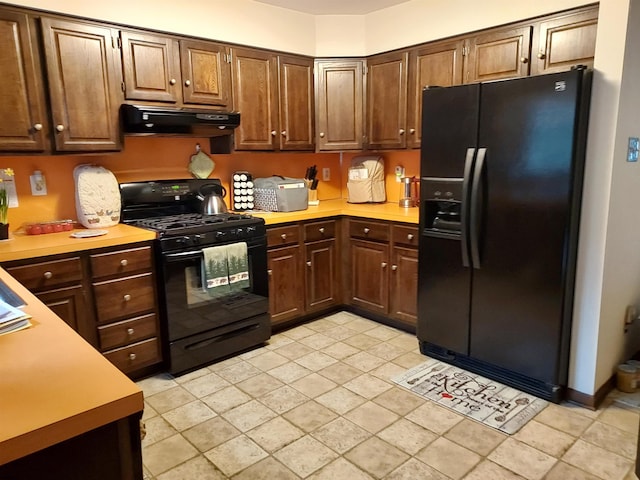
{"x": 592, "y": 402}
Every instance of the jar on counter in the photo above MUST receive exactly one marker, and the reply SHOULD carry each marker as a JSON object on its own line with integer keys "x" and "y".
{"x": 626, "y": 378}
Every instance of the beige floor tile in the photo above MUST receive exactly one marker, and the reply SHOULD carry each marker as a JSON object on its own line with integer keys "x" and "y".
{"x": 631, "y": 475}
{"x": 197, "y": 468}
{"x": 293, "y": 350}
{"x": 339, "y": 318}
{"x": 371, "y": 416}
{"x": 340, "y": 372}
{"x": 435, "y": 418}
{"x": 188, "y": 415}
{"x": 309, "y": 416}
{"x": 305, "y": 456}
{"x": 277, "y": 341}
{"x": 340, "y": 350}
{"x": 360, "y": 324}
{"x": 167, "y": 453}
{"x": 361, "y": 341}
{"x": 488, "y": 470}
{"x": 612, "y": 438}
{"x": 298, "y": 333}
{"x": 376, "y": 457}
{"x": 226, "y": 399}
{"x": 340, "y": 332}
{"x": 283, "y": 399}
{"x": 211, "y": 433}
{"x": 223, "y": 364}
{"x": 368, "y": 386}
{"x": 563, "y": 471}
{"x": 407, "y": 342}
{"x": 238, "y": 372}
{"x": 364, "y": 361}
{"x": 449, "y": 458}
{"x": 340, "y": 400}
{"x": 596, "y": 460}
{"x": 289, "y": 372}
{"x": 148, "y": 412}
{"x": 317, "y": 341}
{"x": 340, "y": 469}
{"x": 192, "y": 375}
{"x": 259, "y": 385}
{"x": 321, "y": 325}
{"x": 544, "y": 438}
{"x": 267, "y": 469}
{"x": 414, "y": 469}
{"x": 169, "y": 399}
{"x": 407, "y": 436}
{"x": 315, "y": 361}
{"x": 205, "y": 385}
{"x": 275, "y": 434}
{"x": 156, "y": 384}
{"x": 248, "y": 415}
{"x": 157, "y": 429}
{"x": 475, "y": 436}
{"x": 313, "y": 385}
{"x": 268, "y": 360}
{"x": 409, "y": 360}
{"x": 399, "y": 400}
{"x": 254, "y": 352}
{"x": 382, "y": 332}
{"x": 624, "y": 418}
{"x": 386, "y": 351}
{"x": 235, "y": 455}
{"x": 341, "y": 435}
{"x": 522, "y": 459}
{"x": 561, "y": 418}
{"x": 387, "y": 371}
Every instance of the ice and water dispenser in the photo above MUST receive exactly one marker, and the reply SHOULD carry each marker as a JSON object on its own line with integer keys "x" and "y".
{"x": 442, "y": 204}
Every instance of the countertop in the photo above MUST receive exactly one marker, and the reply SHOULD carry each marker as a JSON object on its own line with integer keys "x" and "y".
{"x": 54, "y": 385}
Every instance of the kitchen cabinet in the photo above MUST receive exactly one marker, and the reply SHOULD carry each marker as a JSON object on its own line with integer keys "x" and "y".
{"x": 564, "y": 41}
{"x": 403, "y": 291}
{"x": 274, "y": 95}
{"x": 322, "y": 277}
{"x": 160, "y": 68}
{"x": 84, "y": 77}
{"x": 387, "y": 100}
{"x": 339, "y": 88}
{"x": 23, "y": 118}
{"x": 435, "y": 64}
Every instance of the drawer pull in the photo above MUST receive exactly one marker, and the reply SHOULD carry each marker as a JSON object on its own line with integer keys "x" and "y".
{"x": 541, "y": 55}
{"x": 126, "y": 297}
{"x": 130, "y": 331}
{"x": 308, "y": 264}
{"x": 132, "y": 356}
{"x": 321, "y": 230}
{"x": 283, "y": 236}
{"x": 124, "y": 262}
{"x": 394, "y": 267}
{"x": 384, "y": 264}
{"x": 48, "y": 275}
{"x": 172, "y": 81}
{"x": 410, "y": 236}
{"x": 270, "y": 272}
{"x": 366, "y": 230}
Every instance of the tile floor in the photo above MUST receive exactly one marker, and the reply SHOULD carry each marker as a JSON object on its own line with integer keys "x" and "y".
{"x": 317, "y": 402}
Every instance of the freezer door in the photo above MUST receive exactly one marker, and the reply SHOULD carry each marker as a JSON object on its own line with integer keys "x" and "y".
{"x": 519, "y": 298}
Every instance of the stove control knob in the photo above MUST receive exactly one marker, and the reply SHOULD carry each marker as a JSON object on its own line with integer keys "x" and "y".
{"x": 183, "y": 240}
{"x": 220, "y": 235}
{"x": 251, "y": 229}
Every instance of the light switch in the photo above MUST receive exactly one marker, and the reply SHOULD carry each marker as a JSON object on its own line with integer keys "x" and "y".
{"x": 634, "y": 147}
{"x": 38, "y": 183}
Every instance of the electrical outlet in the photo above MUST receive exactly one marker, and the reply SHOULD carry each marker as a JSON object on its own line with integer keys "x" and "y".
{"x": 326, "y": 174}
{"x": 399, "y": 173}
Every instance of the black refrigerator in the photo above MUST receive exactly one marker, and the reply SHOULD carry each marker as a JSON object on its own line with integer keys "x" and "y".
{"x": 500, "y": 192}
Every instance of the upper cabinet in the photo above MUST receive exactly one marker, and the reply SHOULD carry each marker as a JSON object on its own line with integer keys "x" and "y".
{"x": 339, "y": 87}
{"x": 160, "y": 68}
{"x": 274, "y": 95}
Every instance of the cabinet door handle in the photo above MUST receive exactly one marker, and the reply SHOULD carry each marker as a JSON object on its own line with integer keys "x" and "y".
{"x": 283, "y": 133}
{"x": 273, "y": 133}
{"x": 524, "y": 59}
{"x": 412, "y": 131}
{"x": 321, "y": 230}
{"x": 401, "y": 131}
{"x": 47, "y": 275}
{"x": 410, "y": 236}
{"x": 124, "y": 262}
{"x": 283, "y": 236}
{"x": 187, "y": 83}
{"x": 384, "y": 264}
{"x": 321, "y": 134}
{"x": 270, "y": 272}
{"x": 132, "y": 356}
{"x": 541, "y": 55}
{"x": 130, "y": 331}
{"x": 37, "y": 127}
{"x": 172, "y": 81}
{"x": 60, "y": 128}
{"x": 394, "y": 267}
{"x": 366, "y": 230}
{"x": 126, "y": 297}
{"x": 308, "y": 264}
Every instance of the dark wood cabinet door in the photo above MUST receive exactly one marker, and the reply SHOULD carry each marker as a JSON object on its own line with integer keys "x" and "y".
{"x": 566, "y": 41}
{"x": 71, "y": 306}
{"x": 297, "y": 117}
{"x": 206, "y": 73}
{"x": 151, "y": 67}
{"x": 83, "y": 67}
{"x": 499, "y": 54}
{"x": 286, "y": 283}
{"x": 404, "y": 285}
{"x": 339, "y": 104}
{"x": 255, "y": 96}
{"x": 23, "y": 119}
{"x": 438, "y": 64}
{"x": 369, "y": 275}
{"x": 387, "y": 100}
{"x": 321, "y": 275}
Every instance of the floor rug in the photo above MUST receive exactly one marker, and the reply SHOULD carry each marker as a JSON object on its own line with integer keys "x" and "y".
{"x": 491, "y": 403}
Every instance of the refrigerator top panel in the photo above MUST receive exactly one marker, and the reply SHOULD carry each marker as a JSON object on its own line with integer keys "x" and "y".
{"x": 449, "y": 128}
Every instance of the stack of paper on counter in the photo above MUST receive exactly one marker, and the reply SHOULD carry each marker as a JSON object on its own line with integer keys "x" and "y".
{"x": 12, "y": 319}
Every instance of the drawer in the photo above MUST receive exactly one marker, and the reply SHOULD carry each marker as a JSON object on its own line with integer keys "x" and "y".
{"x": 405, "y": 234}
{"x": 124, "y": 297}
{"x": 135, "y": 356}
{"x": 369, "y": 230}
{"x": 121, "y": 262}
{"x": 319, "y": 230}
{"x": 45, "y": 275}
{"x": 128, "y": 331}
{"x": 287, "y": 235}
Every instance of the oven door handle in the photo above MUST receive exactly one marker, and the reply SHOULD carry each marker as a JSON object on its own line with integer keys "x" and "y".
{"x": 182, "y": 255}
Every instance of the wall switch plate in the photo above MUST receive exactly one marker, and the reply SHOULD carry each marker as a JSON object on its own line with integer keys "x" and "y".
{"x": 326, "y": 174}
{"x": 38, "y": 184}
{"x": 399, "y": 173}
{"x": 634, "y": 148}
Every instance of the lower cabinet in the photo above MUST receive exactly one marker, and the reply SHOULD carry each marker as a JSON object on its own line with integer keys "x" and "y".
{"x": 286, "y": 284}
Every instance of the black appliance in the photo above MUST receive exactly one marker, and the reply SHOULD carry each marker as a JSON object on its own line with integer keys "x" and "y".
{"x": 187, "y": 121}
{"x": 501, "y": 181}
{"x": 198, "y": 328}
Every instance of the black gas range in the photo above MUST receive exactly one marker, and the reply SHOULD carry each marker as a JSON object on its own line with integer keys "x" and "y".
{"x": 200, "y": 325}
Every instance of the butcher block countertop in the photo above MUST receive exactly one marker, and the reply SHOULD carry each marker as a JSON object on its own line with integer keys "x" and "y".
{"x": 54, "y": 385}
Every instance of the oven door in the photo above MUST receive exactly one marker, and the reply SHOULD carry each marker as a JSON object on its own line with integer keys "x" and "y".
{"x": 189, "y": 308}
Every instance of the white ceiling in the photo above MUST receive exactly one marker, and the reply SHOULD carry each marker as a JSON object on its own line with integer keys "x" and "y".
{"x": 334, "y": 7}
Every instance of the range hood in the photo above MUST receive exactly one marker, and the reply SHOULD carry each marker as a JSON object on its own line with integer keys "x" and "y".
{"x": 177, "y": 121}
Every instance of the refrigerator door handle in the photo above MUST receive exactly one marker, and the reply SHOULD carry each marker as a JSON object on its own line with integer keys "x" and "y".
{"x": 464, "y": 210}
{"x": 474, "y": 220}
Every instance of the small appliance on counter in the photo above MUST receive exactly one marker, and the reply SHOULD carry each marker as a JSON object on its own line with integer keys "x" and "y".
{"x": 242, "y": 191}
{"x": 97, "y": 196}
{"x": 408, "y": 192}
{"x": 365, "y": 183}
{"x": 281, "y": 194}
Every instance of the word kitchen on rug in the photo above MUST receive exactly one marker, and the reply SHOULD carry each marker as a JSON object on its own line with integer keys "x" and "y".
{"x": 491, "y": 403}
